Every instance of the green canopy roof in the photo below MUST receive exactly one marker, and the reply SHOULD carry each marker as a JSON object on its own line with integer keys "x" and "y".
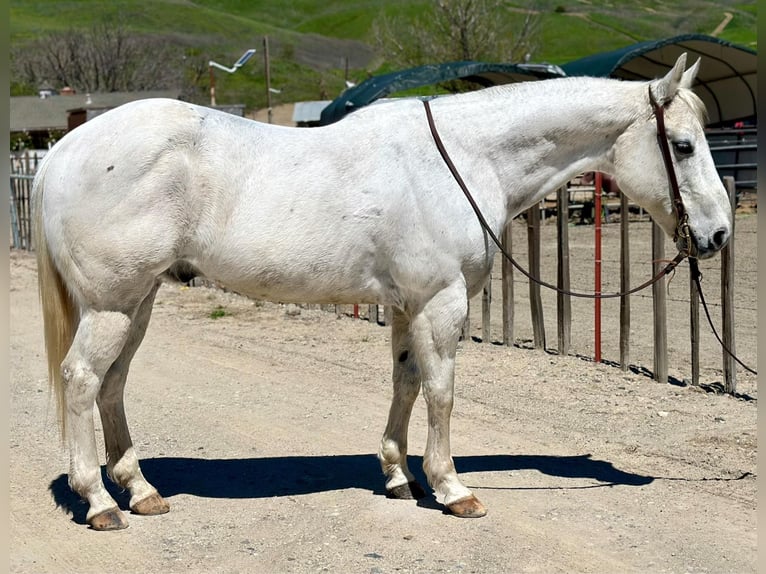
{"x": 483, "y": 73}
{"x": 726, "y": 82}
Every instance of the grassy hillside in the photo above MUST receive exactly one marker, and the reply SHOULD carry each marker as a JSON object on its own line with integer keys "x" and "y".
{"x": 310, "y": 40}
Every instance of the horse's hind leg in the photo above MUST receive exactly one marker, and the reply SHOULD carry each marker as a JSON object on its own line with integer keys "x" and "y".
{"x": 400, "y": 482}
{"x": 121, "y": 459}
{"x": 98, "y": 342}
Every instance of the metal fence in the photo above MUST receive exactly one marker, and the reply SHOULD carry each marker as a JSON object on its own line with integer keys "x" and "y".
{"x": 23, "y": 168}
{"x": 735, "y": 154}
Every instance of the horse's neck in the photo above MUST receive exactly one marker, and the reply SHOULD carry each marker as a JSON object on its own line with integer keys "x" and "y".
{"x": 537, "y": 136}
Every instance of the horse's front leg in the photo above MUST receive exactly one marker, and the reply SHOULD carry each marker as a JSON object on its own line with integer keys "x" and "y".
{"x": 435, "y": 334}
{"x": 400, "y": 482}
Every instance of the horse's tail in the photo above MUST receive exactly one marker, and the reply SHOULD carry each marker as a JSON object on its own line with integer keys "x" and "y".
{"x": 60, "y": 313}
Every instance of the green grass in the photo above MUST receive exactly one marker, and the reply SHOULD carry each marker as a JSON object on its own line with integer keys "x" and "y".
{"x": 219, "y": 312}
{"x": 222, "y": 29}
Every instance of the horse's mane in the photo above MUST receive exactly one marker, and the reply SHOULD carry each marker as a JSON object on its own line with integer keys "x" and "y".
{"x": 564, "y": 84}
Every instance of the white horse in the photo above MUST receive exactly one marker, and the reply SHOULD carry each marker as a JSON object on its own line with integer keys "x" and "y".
{"x": 361, "y": 211}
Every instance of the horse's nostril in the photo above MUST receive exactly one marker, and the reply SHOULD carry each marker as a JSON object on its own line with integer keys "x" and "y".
{"x": 720, "y": 238}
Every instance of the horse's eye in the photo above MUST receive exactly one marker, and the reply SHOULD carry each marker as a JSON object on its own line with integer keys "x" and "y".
{"x": 683, "y": 147}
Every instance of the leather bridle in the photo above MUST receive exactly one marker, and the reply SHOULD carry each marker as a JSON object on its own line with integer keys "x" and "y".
{"x": 682, "y": 218}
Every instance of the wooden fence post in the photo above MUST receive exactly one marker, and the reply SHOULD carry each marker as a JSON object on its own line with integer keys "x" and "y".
{"x": 624, "y": 282}
{"x": 659, "y": 299}
{"x": 536, "y": 302}
{"x": 563, "y": 302}
{"x": 507, "y": 287}
{"x": 727, "y": 297}
{"x": 465, "y": 334}
{"x": 694, "y": 328}
{"x": 372, "y": 314}
{"x": 486, "y": 302}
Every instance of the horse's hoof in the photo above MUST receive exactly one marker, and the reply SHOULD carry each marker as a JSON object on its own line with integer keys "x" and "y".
{"x": 112, "y": 519}
{"x": 468, "y": 508}
{"x": 410, "y": 491}
{"x": 151, "y": 505}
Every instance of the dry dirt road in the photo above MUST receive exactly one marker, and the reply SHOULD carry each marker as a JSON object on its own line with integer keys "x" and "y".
{"x": 260, "y": 428}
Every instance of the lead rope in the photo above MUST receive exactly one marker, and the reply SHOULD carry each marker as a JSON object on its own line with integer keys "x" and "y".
{"x": 696, "y": 277}
{"x": 683, "y": 228}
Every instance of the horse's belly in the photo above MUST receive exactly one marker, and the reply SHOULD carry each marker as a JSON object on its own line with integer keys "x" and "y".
{"x": 297, "y": 279}
{"x": 298, "y": 291}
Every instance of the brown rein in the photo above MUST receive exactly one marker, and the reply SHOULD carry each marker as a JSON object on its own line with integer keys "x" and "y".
{"x": 677, "y": 201}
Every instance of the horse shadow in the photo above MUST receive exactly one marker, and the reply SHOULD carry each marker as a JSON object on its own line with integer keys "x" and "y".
{"x": 295, "y": 475}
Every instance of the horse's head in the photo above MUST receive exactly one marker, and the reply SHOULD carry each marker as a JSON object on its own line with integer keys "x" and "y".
{"x": 641, "y": 171}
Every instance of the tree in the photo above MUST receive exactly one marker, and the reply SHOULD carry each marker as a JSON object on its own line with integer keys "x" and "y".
{"x": 454, "y": 30}
{"x": 104, "y": 58}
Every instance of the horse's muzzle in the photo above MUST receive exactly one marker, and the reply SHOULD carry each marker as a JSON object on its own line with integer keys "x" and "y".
{"x": 704, "y": 247}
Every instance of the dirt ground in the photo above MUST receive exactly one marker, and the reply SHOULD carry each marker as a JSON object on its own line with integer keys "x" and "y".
{"x": 260, "y": 428}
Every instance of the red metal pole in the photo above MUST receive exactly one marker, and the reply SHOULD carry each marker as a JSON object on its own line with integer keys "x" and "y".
{"x": 597, "y": 302}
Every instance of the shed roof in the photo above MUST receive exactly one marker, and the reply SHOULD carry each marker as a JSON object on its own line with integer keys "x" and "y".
{"x": 483, "y": 73}
{"x": 726, "y": 81}
{"x": 33, "y": 113}
{"x": 308, "y": 112}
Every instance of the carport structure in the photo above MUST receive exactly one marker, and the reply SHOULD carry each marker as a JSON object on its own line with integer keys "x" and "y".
{"x": 726, "y": 82}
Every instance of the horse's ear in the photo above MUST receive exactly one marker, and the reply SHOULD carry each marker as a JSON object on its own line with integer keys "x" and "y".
{"x": 689, "y": 75}
{"x": 665, "y": 88}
